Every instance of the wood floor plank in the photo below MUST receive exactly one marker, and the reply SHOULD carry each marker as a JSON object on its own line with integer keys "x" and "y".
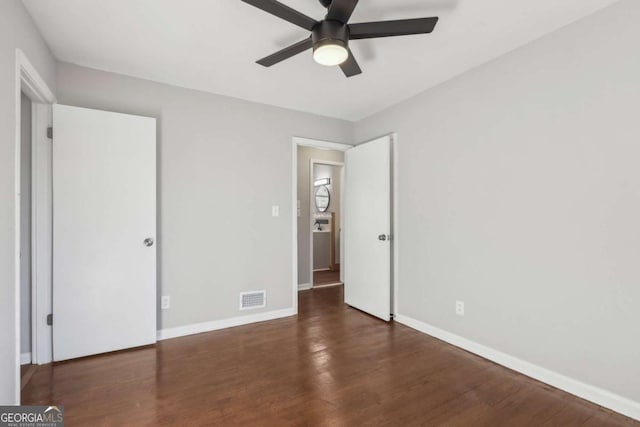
{"x": 329, "y": 366}
{"x": 326, "y": 277}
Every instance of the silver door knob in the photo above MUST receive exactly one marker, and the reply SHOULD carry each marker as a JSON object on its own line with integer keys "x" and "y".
{"x": 148, "y": 241}
{"x": 382, "y": 237}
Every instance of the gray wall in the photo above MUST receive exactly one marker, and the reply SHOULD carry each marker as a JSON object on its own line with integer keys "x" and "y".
{"x": 16, "y": 30}
{"x": 223, "y": 163}
{"x": 520, "y": 195}
{"x": 305, "y": 154}
{"x": 25, "y": 224}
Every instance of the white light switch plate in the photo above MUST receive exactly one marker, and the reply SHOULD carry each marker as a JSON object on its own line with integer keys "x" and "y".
{"x": 460, "y": 308}
{"x": 165, "y": 302}
{"x": 275, "y": 210}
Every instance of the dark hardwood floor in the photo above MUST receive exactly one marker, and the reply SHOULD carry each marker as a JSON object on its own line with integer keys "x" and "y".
{"x": 26, "y": 372}
{"x": 326, "y": 277}
{"x": 329, "y": 366}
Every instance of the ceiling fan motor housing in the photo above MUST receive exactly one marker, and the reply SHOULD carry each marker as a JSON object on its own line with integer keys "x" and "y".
{"x": 330, "y": 32}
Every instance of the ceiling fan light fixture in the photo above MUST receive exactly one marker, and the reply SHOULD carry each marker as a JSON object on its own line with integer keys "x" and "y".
{"x": 330, "y": 36}
{"x": 330, "y": 53}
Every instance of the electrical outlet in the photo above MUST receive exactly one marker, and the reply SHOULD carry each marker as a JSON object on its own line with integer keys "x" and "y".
{"x": 460, "y": 308}
{"x": 165, "y": 302}
{"x": 275, "y": 210}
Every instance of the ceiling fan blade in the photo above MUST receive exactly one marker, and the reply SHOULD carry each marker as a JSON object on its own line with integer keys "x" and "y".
{"x": 284, "y": 12}
{"x": 402, "y": 27}
{"x": 286, "y": 53}
{"x": 350, "y": 67}
{"x": 341, "y": 10}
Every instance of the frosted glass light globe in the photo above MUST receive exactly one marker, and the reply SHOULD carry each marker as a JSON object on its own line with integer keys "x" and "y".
{"x": 330, "y": 54}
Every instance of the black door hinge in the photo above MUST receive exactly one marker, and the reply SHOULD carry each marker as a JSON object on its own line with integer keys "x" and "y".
{"x": 49, "y": 319}
{"x": 50, "y": 132}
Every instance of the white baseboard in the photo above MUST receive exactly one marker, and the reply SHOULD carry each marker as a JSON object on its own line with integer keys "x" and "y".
{"x": 588, "y": 392}
{"x": 328, "y": 285}
{"x": 198, "y": 328}
{"x": 25, "y": 358}
{"x": 304, "y": 286}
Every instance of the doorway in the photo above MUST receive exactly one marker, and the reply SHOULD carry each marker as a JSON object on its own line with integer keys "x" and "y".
{"x": 367, "y": 224}
{"x": 25, "y": 238}
{"x": 305, "y": 152}
{"x": 325, "y": 208}
{"x": 33, "y": 100}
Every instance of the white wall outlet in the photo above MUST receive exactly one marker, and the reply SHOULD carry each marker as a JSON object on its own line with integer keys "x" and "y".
{"x": 460, "y": 308}
{"x": 165, "y": 302}
{"x": 275, "y": 210}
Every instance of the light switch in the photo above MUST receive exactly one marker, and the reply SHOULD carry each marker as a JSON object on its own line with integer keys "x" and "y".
{"x": 165, "y": 302}
{"x": 275, "y": 210}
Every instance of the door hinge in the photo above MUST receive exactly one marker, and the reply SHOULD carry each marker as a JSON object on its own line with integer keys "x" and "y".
{"x": 50, "y": 132}
{"x": 49, "y": 319}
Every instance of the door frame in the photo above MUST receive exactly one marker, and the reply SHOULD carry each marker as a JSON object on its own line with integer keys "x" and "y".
{"x": 29, "y": 81}
{"x": 305, "y": 142}
{"x": 312, "y": 163}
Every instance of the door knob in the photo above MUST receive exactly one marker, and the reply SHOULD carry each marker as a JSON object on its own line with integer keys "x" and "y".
{"x": 148, "y": 241}
{"x": 382, "y": 237}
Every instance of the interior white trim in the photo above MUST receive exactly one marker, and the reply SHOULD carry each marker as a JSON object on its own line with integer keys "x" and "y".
{"x": 395, "y": 224}
{"x": 198, "y": 328}
{"x": 27, "y": 79}
{"x": 588, "y": 392}
{"x": 31, "y": 82}
{"x": 295, "y": 141}
{"x": 304, "y": 286}
{"x": 25, "y": 358}
{"x": 316, "y": 143}
{"x": 328, "y": 285}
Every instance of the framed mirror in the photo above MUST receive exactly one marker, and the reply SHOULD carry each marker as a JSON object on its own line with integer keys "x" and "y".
{"x": 322, "y": 198}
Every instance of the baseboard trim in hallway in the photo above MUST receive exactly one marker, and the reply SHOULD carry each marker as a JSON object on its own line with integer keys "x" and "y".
{"x": 25, "y": 358}
{"x": 328, "y": 285}
{"x": 198, "y": 328}
{"x": 588, "y": 392}
{"x": 304, "y": 286}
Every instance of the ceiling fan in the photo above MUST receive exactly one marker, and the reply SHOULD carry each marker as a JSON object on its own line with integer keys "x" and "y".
{"x": 330, "y": 37}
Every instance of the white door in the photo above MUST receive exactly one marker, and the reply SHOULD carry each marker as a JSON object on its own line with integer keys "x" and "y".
{"x": 104, "y": 209}
{"x": 367, "y": 228}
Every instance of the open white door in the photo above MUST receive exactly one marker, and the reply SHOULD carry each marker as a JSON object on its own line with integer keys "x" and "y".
{"x": 104, "y": 210}
{"x": 367, "y": 228}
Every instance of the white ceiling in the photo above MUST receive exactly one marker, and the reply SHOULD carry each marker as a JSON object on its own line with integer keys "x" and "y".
{"x": 212, "y": 45}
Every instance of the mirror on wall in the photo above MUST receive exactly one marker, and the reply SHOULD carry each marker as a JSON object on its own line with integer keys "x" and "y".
{"x": 322, "y": 198}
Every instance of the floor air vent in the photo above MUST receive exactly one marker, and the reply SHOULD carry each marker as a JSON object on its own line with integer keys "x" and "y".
{"x": 256, "y": 299}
